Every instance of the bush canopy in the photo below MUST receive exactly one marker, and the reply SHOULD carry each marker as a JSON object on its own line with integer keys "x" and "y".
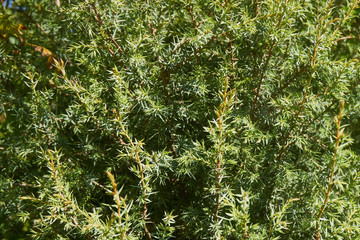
{"x": 179, "y": 119}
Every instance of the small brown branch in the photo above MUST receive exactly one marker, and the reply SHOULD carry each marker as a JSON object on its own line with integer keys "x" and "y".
{"x": 306, "y": 126}
{"x": 115, "y": 194}
{"x": 287, "y": 83}
{"x": 222, "y": 5}
{"x": 254, "y": 105}
{"x": 190, "y": 10}
{"x": 141, "y": 171}
{"x": 339, "y": 134}
{"x": 232, "y": 51}
{"x": 284, "y": 144}
{"x": 177, "y": 48}
{"x": 346, "y": 17}
{"x": 75, "y": 86}
{"x": 316, "y": 140}
{"x": 320, "y": 115}
{"x": 53, "y": 169}
{"x": 256, "y": 7}
{"x": 36, "y": 23}
{"x": 285, "y": 138}
{"x": 233, "y": 59}
{"x": 101, "y": 23}
{"x": 221, "y": 112}
{"x": 344, "y": 38}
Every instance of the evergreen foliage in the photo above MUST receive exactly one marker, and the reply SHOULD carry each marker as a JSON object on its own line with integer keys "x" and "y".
{"x": 179, "y": 119}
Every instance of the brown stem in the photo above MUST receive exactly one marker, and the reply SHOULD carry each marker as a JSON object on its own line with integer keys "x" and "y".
{"x": 346, "y": 17}
{"x": 141, "y": 170}
{"x": 227, "y": 96}
{"x": 232, "y": 51}
{"x": 245, "y": 231}
{"x": 177, "y": 48}
{"x": 233, "y": 59}
{"x": 100, "y": 22}
{"x": 254, "y": 105}
{"x": 306, "y": 126}
{"x": 344, "y": 38}
{"x": 284, "y": 144}
{"x": 190, "y": 10}
{"x": 36, "y": 23}
{"x": 115, "y": 193}
{"x": 222, "y": 5}
{"x": 67, "y": 201}
{"x": 287, "y": 83}
{"x": 260, "y": 80}
{"x": 220, "y": 114}
{"x": 339, "y": 134}
{"x": 256, "y": 7}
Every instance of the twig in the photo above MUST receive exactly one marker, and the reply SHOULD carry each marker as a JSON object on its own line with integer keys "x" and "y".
{"x": 224, "y": 106}
{"x": 36, "y": 23}
{"x": 256, "y": 8}
{"x": 344, "y": 38}
{"x": 141, "y": 171}
{"x": 339, "y": 134}
{"x": 100, "y": 22}
{"x": 254, "y": 105}
{"x": 312, "y": 63}
{"x": 177, "y": 48}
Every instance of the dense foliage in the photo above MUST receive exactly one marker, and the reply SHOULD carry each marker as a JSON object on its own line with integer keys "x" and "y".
{"x": 179, "y": 119}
